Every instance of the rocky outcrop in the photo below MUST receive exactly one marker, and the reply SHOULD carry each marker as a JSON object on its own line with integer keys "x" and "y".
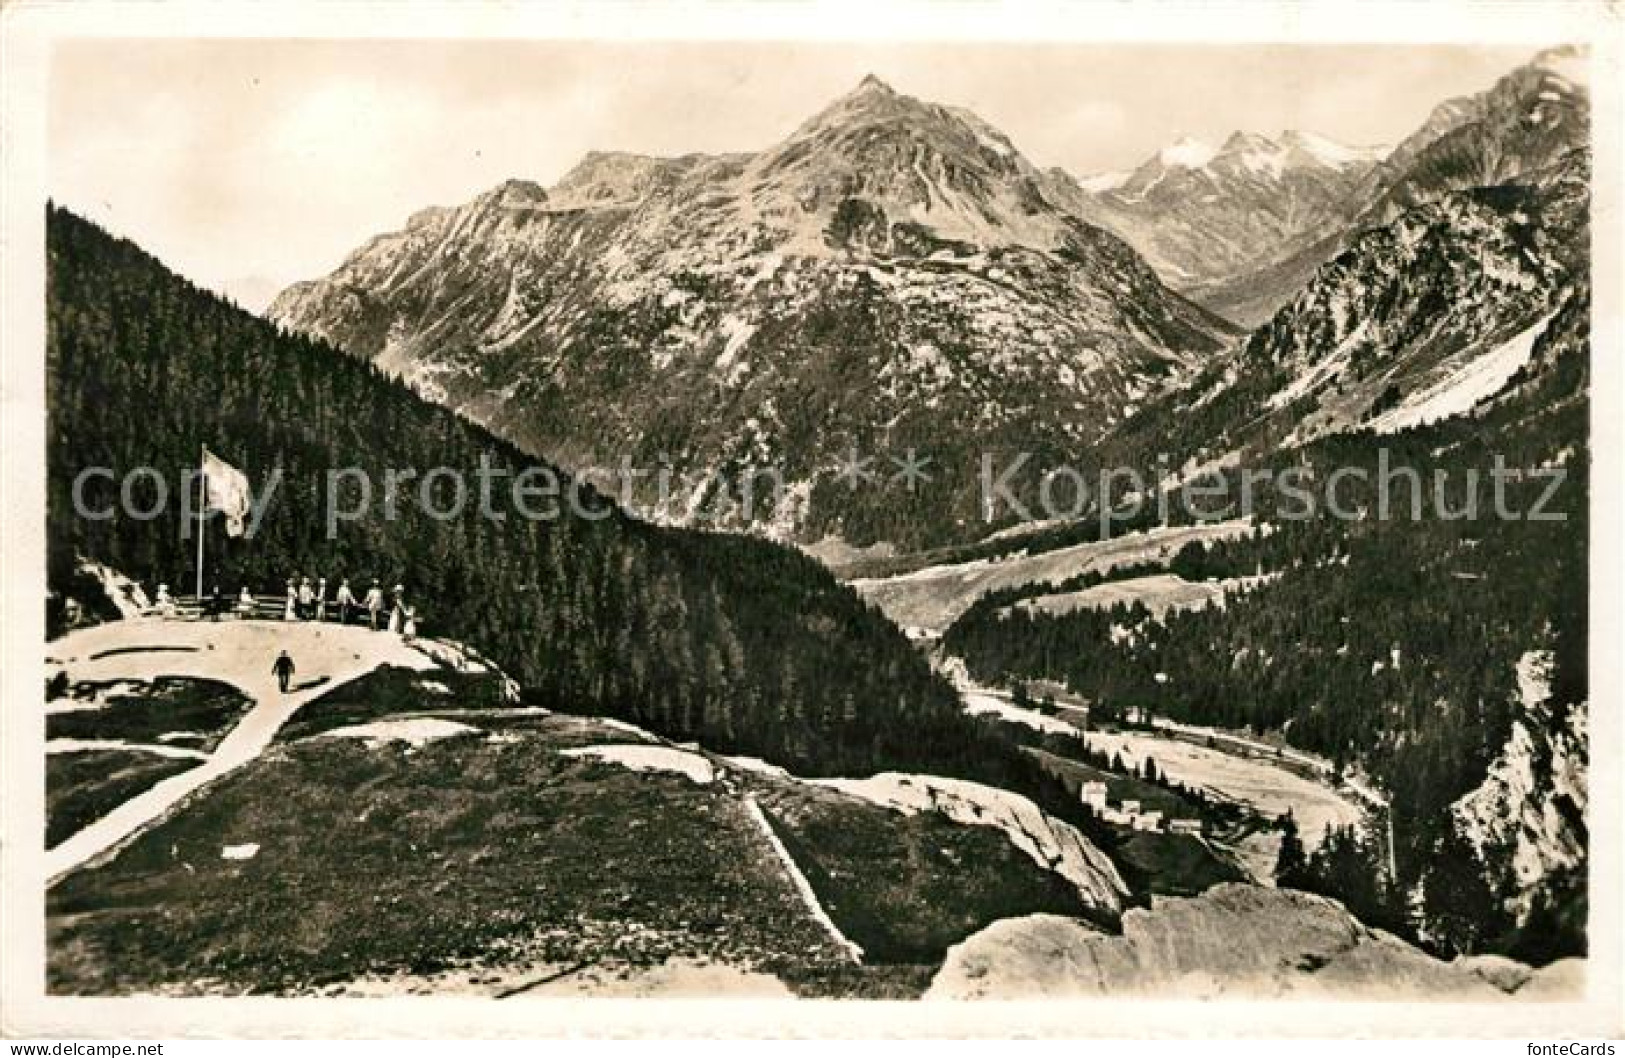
{"x": 1522, "y": 124}
{"x": 1234, "y": 941}
{"x": 1528, "y": 816}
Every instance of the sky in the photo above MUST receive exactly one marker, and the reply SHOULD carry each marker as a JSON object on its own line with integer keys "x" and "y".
{"x": 247, "y": 165}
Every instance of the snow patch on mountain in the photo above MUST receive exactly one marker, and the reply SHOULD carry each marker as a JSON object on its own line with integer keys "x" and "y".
{"x": 1051, "y": 843}
{"x": 894, "y": 258}
{"x": 650, "y": 758}
{"x": 1105, "y": 181}
{"x": 1187, "y": 151}
{"x": 1465, "y": 387}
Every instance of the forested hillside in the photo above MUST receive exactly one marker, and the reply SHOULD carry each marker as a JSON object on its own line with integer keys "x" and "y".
{"x": 1395, "y": 645}
{"x": 749, "y": 646}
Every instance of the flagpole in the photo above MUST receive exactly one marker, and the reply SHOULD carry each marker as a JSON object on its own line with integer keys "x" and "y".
{"x": 202, "y": 485}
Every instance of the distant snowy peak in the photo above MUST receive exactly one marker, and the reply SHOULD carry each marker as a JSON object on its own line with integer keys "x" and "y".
{"x": 872, "y": 102}
{"x": 1519, "y": 128}
{"x": 1186, "y": 152}
{"x": 1246, "y": 151}
{"x": 1204, "y": 215}
{"x": 1329, "y": 152}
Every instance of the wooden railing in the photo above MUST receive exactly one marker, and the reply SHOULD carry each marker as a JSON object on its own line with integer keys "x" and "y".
{"x": 264, "y": 608}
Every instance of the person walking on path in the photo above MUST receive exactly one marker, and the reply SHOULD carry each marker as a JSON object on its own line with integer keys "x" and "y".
{"x": 375, "y": 604}
{"x": 409, "y": 631}
{"x": 284, "y": 670}
{"x": 345, "y": 601}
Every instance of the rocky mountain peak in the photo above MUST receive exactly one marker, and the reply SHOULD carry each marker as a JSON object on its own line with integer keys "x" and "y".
{"x": 896, "y": 258}
{"x": 516, "y": 194}
{"x": 873, "y": 84}
{"x": 1568, "y": 61}
{"x": 1239, "y": 142}
{"x": 894, "y": 158}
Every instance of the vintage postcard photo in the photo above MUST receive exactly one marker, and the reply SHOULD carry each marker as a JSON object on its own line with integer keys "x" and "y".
{"x": 517, "y": 507}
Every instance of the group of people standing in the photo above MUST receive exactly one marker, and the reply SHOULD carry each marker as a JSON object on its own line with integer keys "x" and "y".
{"x": 307, "y": 602}
{"x": 310, "y": 602}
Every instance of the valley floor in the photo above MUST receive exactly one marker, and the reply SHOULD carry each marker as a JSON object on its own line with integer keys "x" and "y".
{"x": 928, "y": 600}
{"x": 1266, "y": 779}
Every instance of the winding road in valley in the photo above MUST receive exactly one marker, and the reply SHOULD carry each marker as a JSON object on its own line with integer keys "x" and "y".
{"x": 1250, "y": 776}
{"x": 1269, "y": 778}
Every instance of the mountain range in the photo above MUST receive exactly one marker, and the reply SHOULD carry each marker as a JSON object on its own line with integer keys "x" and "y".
{"x": 894, "y": 275}
{"x": 1522, "y": 124}
{"x": 1433, "y": 297}
{"x": 1205, "y": 217}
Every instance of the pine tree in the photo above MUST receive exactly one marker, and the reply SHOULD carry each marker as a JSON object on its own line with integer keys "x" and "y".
{"x": 1290, "y": 862}
{"x": 1460, "y": 906}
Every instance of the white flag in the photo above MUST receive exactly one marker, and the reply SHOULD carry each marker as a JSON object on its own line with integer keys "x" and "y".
{"x": 225, "y": 489}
